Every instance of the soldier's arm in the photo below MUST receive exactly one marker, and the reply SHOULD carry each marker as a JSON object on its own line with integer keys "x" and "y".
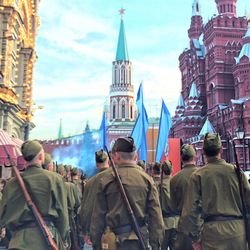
{"x": 98, "y": 223}
{"x": 3, "y": 205}
{"x": 155, "y": 220}
{"x": 173, "y": 203}
{"x": 190, "y": 220}
{"x": 62, "y": 222}
{"x": 82, "y": 212}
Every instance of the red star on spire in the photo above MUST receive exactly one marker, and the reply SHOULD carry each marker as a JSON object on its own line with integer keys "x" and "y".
{"x": 122, "y": 11}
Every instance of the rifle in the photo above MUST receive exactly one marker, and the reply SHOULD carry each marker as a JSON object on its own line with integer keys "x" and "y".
{"x": 246, "y": 216}
{"x": 161, "y": 186}
{"x": 127, "y": 203}
{"x": 36, "y": 214}
{"x": 74, "y": 236}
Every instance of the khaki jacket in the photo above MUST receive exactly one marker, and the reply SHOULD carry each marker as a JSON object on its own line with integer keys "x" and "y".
{"x": 87, "y": 203}
{"x": 110, "y": 210}
{"x": 214, "y": 190}
{"x": 48, "y": 192}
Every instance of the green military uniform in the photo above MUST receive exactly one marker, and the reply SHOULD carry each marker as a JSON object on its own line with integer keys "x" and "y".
{"x": 49, "y": 195}
{"x": 110, "y": 210}
{"x": 89, "y": 193}
{"x": 178, "y": 187}
{"x": 212, "y": 210}
{"x": 87, "y": 203}
{"x": 170, "y": 219}
{"x": 80, "y": 187}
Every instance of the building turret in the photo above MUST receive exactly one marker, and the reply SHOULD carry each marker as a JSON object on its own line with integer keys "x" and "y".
{"x": 122, "y": 90}
{"x": 180, "y": 108}
{"x": 195, "y": 29}
{"x": 241, "y": 70}
{"x": 226, "y": 7}
{"x": 193, "y": 103}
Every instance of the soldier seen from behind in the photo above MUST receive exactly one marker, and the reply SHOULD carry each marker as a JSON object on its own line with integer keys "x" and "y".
{"x": 110, "y": 213}
{"x": 49, "y": 195}
{"x": 178, "y": 187}
{"x": 169, "y": 217}
{"x": 156, "y": 173}
{"x": 212, "y": 212}
{"x": 90, "y": 190}
{"x": 48, "y": 163}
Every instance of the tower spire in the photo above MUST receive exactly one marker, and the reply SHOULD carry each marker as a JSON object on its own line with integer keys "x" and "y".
{"x": 196, "y": 8}
{"x": 195, "y": 29}
{"x": 122, "y": 49}
{"x": 122, "y": 90}
{"x": 60, "y": 131}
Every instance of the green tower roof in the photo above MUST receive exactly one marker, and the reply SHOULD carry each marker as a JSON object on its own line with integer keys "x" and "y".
{"x": 122, "y": 50}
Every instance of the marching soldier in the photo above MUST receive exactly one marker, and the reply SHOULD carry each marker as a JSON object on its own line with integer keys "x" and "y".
{"x": 156, "y": 174}
{"x": 212, "y": 212}
{"x": 110, "y": 211}
{"x": 170, "y": 218}
{"x": 178, "y": 187}
{"x": 49, "y": 195}
{"x": 48, "y": 163}
{"x": 90, "y": 190}
{"x": 142, "y": 164}
{"x": 75, "y": 178}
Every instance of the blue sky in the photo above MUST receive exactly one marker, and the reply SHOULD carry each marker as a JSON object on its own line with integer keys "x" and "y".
{"x": 76, "y": 45}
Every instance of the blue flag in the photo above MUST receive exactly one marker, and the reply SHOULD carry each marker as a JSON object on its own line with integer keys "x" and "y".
{"x": 141, "y": 126}
{"x": 164, "y": 128}
{"x": 103, "y": 130}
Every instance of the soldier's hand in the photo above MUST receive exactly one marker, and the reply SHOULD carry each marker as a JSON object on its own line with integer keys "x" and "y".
{"x": 2, "y": 233}
{"x": 196, "y": 245}
{"x": 87, "y": 240}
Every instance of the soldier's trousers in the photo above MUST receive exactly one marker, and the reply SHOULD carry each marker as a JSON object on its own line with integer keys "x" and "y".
{"x": 169, "y": 239}
{"x": 183, "y": 242}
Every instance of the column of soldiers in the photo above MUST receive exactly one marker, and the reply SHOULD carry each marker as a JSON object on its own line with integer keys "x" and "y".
{"x": 197, "y": 208}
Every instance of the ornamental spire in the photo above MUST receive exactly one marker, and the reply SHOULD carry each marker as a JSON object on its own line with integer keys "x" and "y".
{"x": 196, "y": 8}
{"x": 122, "y": 50}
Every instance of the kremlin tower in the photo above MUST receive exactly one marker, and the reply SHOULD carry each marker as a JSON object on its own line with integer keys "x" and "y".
{"x": 121, "y": 109}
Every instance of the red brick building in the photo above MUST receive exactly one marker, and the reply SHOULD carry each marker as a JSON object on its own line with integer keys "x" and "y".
{"x": 215, "y": 73}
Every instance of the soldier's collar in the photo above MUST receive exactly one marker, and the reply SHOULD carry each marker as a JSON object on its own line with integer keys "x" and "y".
{"x": 215, "y": 160}
{"x": 188, "y": 165}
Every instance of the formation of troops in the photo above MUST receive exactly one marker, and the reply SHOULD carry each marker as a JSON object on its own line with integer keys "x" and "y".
{"x": 197, "y": 208}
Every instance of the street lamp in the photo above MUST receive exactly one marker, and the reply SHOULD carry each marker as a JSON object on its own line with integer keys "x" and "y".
{"x": 240, "y": 133}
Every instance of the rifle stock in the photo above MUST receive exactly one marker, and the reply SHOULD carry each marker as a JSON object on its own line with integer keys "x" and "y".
{"x": 246, "y": 216}
{"x": 36, "y": 214}
{"x": 127, "y": 203}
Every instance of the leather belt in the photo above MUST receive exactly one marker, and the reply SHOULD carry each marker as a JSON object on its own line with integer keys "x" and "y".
{"x": 33, "y": 224}
{"x": 222, "y": 218}
{"x": 127, "y": 228}
{"x": 170, "y": 214}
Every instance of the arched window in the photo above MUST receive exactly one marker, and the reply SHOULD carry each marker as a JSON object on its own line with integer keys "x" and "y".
{"x": 114, "y": 111}
{"x": 123, "y": 110}
{"x": 131, "y": 112}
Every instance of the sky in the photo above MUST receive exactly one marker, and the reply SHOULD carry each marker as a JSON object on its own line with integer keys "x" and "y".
{"x": 76, "y": 45}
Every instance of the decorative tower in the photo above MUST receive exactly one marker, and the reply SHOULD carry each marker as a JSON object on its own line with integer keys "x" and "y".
{"x": 122, "y": 90}
{"x": 223, "y": 40}
{"x": 195, "y": 29}
{"x": 242, "y": 68}
{"x": 226, "y": 7}
{"x": 180, "y": 108}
